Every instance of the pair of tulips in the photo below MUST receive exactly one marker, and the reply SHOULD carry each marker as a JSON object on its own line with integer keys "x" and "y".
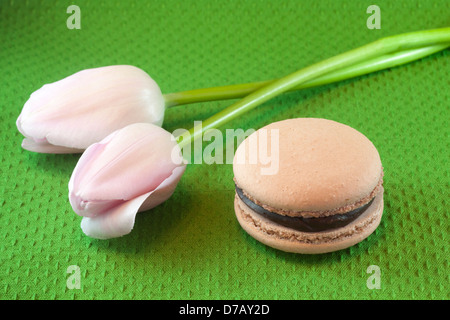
{"x": 114, "y": 115}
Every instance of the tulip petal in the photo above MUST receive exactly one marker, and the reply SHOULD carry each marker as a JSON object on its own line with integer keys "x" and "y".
{"x": 119, "y": 220}
{"x": 85, "y": 107}
{"x": 114, "y": 223}
{"x": 164, "y": 190}
{"x": 45, "y": 147}
{"x": 133, "y": 169}
{"x": 130, "y": 162}
{"x": 90, "y": 208}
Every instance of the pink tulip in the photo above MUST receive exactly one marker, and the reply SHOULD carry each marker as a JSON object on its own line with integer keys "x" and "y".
{"x": 133, "y": 169}
{"x": 69, "y": 115}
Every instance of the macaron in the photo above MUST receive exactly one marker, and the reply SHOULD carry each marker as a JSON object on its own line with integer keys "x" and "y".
{"x": 308, "y": 186}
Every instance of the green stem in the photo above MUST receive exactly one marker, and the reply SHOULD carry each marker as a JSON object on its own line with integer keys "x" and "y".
{"x": 367, "y": 52}
{"x": 241, "y": 90}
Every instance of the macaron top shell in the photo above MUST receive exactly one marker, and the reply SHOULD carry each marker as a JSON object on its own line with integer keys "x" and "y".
{"x": 322, "y": 166}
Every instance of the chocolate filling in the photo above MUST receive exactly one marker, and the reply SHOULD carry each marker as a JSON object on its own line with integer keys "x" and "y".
{"x": 305, "y": 224}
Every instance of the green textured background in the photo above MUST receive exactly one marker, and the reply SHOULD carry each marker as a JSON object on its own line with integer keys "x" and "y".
{"x": 191, "y": 247}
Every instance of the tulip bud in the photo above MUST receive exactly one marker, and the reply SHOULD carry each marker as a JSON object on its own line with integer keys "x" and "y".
{"x": 69, "y": 115}
{"x": 133, "y": 169}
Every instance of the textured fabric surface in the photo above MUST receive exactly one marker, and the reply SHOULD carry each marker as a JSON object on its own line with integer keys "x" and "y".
{"x": 191, "y": 247}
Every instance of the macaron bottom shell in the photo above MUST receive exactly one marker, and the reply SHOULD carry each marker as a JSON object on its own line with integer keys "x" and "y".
{"x": 290, "y": 240}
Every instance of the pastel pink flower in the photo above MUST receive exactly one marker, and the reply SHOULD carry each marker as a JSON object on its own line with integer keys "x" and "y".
{"x": 69, "y": 115}
{"x": 133, "y": 169}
